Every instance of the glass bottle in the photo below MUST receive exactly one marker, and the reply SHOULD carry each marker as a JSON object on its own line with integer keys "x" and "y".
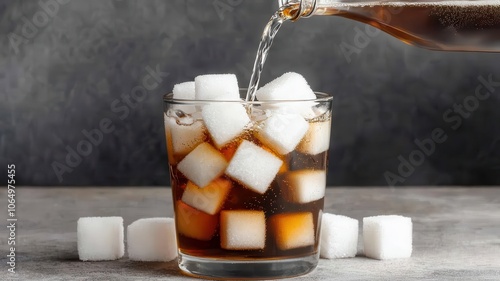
{"x": 458, "y": 25}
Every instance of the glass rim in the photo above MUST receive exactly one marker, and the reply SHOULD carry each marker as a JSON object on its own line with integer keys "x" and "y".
{"x": 320, "y": 97}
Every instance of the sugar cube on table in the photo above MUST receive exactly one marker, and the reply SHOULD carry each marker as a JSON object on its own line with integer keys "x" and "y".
{"x": 203, "y": 165}
{"x": 387, "y": 237}
{"x": 209, "y": 199}
{"x": 242, "y": 230}
{"x": 283, "y": 132}
{"x": 339, "y": 236}
{"x": 317, "y": 138}
{"x": 184, "y": 138}
{"x": 185, "y": 91}
{"x": 303, "y": 186}
{"x": 253, "y": 167}
{"x": 292, "y": 230}
{"x": 224, "y": 121}
{"x": 100, "y": 238}
{"x": 216, "y": 87}
{"x": 152, "y": 239}
{"x": 194, "y": 223}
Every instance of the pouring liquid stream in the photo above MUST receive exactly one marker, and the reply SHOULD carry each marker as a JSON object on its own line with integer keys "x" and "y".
{"x": 270, "y": 31}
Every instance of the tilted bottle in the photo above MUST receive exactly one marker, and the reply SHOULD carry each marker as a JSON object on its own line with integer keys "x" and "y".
{"x": 457, "y": 25}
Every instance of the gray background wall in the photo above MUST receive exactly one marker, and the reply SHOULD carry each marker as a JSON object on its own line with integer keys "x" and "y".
{"x": 68, "y": 70}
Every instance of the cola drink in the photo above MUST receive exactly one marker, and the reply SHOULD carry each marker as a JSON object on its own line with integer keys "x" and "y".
{"x": 459, "y": 25}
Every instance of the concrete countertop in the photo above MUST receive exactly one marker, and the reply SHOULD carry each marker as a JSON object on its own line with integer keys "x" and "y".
{"x": 456, "y": 233}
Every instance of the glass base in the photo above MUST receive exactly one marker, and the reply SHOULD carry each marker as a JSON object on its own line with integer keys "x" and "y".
{"x": 251, "y": 269}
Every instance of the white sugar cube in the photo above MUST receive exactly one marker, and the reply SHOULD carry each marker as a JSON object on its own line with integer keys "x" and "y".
{"x": 317, "y": 138}
{"x": 339, "y": 236}
{"x": 303, "y": 186}
{"x": 225, "y": 121}
{"x": 387, "y": 237}
{"x": 184, "y": 138}
{"x": 253, "y": 167}
{"x": 208, "y": 199}
{"x": 242, "y": 230}
{"x": 292, "y": 230}
{"x": 152, "y": 239}
{"x": 100, "y": 238}
{"x": 185, "y": 91}
{"x": 202, "y": 165}
{"x": 217, "y": 87}
{"x": 303, "y": 108}
{"x": 283, "y": 132}
{"x": 289, "y": 86}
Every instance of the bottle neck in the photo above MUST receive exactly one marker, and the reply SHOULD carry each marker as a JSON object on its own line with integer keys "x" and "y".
{"x": 301, "y": 8}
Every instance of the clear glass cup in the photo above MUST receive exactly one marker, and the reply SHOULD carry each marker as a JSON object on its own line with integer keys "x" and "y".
{"x": 248, "y": 193}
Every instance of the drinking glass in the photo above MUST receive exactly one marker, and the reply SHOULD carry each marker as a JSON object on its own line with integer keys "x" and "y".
{"x": 248, "y": 207}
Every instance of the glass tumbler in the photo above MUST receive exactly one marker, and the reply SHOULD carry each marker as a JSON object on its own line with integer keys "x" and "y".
{"x": 248, "y": 184}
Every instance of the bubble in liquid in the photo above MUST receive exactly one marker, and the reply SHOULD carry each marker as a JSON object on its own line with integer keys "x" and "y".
{"x": 181, "y": 117}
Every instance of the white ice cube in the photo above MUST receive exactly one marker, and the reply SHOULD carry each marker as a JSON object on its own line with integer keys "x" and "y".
{"x": 282, "y": 132}
{"x": 100, "y": 238}
{"x": 303, "y": 186}
{"x": 387, "y": 237}
{"x": 217, "y": 87}
{"x": 185, "y": 91}
{"x": 242, "y": 230}
{"x": 317, "y": 138}
{"x": 292, "y": 230}
{"x": 339, "y": 236}
{"x": 289, "y": 86}
{"x": 202, "y": 165}
{"x": 253, "y": 167}
{"x": 152, "y": 239}
{"x": 225, "y": 121}
{"x": 208, "y": 199}
{"x": 184, "y": 138}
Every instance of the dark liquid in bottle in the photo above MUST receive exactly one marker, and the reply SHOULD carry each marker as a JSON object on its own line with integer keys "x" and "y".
{"x": 446, "y": 25}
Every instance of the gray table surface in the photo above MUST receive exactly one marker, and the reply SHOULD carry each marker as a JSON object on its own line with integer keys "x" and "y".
{"x": 456, "y": 233}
